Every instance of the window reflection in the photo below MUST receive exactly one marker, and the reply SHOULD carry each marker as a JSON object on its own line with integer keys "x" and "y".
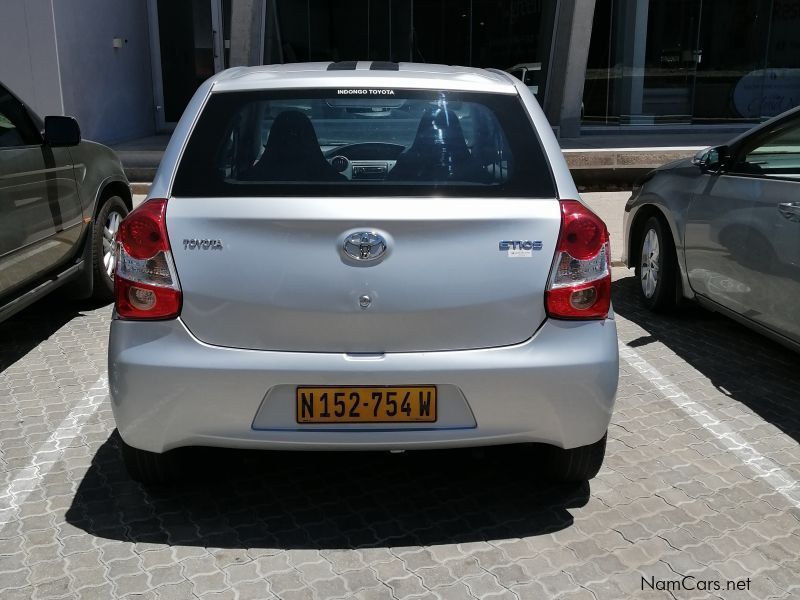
{"x": 482, "y": 33}
{"x": 692, "y": 61}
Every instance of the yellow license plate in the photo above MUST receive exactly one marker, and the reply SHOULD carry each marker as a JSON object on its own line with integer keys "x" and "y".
{"x": 362, "y": 404}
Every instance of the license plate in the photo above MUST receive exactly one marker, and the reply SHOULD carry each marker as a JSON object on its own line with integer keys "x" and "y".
{"x": 362, "y": 404}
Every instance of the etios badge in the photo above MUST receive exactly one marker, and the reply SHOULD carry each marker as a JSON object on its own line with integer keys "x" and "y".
{"x": 364, "y": 245}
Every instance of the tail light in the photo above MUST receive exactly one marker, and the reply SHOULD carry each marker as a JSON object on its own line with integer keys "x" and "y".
{"x": 580, "y": 279}
{"x": 146, "y": 284}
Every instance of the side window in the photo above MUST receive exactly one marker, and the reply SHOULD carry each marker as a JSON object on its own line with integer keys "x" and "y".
{"x": 776, "y": 156}
{"x": 16, "y": 128}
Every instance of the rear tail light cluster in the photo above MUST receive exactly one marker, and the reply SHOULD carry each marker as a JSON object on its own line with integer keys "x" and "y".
{"x": 146, "y": 284}
{"x": 580, "y": 279}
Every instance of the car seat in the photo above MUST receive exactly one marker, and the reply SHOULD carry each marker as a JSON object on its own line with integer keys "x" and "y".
{"x": 439, "y": 152}
{"x": 292, "y": 153}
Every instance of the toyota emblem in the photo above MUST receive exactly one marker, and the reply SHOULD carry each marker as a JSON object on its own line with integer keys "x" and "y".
{"x": 364, "y": 245}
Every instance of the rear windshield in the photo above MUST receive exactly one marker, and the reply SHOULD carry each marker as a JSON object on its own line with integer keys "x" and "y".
{"x": 355, "y": 142}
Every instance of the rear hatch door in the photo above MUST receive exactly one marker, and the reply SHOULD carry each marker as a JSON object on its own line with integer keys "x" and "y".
{"x": 274, "y": 275}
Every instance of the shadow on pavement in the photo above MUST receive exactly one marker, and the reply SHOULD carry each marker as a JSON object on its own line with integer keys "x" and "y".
{"x": 294, "y": 500}
{"x": 742, "y": 364}
{"x": 27, "y": 329}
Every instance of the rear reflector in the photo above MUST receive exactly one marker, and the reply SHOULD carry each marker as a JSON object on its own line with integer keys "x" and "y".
{"x": 143, "y": 301}
{"x": 580, "y": 279}
{"x": 146, "y": 284}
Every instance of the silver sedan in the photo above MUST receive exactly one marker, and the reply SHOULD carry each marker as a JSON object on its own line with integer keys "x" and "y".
{"x": 724, "y": 229}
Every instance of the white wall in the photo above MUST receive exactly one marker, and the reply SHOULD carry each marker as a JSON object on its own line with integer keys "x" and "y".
{"x": 28, "y": 55}
{"x": 109, "y": 91}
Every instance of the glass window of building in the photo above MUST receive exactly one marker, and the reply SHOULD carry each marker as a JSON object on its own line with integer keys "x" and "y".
{"x": 480, "y": 33}
{"x": 692, "y": 61}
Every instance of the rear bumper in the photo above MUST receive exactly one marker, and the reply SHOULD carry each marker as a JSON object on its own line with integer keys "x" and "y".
{"x": 168, "y": 390}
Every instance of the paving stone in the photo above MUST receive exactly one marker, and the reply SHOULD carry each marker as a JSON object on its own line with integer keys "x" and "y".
{"x": 270, "y": 565}
{"x": 379, "y": 593}
{"x": 304, "y": 594}
{"x": 132, "y": 584}
{"x": 227, "y": 594}
{"x": 237, "y": 573}
{"x": 361, "y": 579}
{"x": 99, "y": 592}
{"x": 255, "y": 590}
{"x": 157, "y": 558}
{"x": 405, "y": 587}
{"x": 464, "y": 567}
{"x": 175, "y": 591}
{"x": 284, "y": 582}
{"x": 457, "y": 591}
{"x": 16, "y": 579}
{"x": 47, "y": 571}
{"x": 93, "y": 576}
{"x": 435, "y": 576}
{"x": 211, "y": 582}
{"x": 54, "y": 588}
{"x": 342, "y": 560}
{"x": 330, "y": 588}
{"x": 670, "y": 497}
{"x": 393, "y": 569}
{"x": 557, "y": 583}
{"x": 125, "y": 566}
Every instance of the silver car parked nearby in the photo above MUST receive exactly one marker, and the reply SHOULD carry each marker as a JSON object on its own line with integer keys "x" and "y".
{"x": 724, "y": 229}
{"x": 363, "y": 256}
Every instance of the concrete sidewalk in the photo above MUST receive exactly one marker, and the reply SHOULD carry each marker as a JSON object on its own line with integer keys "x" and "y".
{"x": 614, "y": 161}
{"x": 610, "y": 207}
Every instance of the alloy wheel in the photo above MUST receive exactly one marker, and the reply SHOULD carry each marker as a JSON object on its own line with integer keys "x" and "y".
{"x": 649, "y": 263}
{"x": 109, "y": 242}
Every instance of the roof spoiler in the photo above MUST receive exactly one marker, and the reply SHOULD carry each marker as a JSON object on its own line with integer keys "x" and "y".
{"x": 350, "y": 65}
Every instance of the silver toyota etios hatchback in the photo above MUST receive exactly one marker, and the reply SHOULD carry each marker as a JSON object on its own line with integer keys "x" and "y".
{"x": 363, "y": 256}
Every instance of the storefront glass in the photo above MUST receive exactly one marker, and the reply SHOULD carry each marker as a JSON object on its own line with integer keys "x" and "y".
{"x": 692, "y": 61}
{"x": 481, "y": 33}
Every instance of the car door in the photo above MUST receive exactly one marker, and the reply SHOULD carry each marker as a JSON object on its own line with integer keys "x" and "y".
{"x": 40, "y": 210}
{"x": 743, "y": 230}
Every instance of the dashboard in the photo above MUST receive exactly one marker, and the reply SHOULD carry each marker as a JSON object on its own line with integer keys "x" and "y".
{"x": 365, "y": 161}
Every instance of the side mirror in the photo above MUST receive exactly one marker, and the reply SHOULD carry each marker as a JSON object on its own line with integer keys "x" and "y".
{"x": 710, "y": 160}
{"x": 61, "y": 131}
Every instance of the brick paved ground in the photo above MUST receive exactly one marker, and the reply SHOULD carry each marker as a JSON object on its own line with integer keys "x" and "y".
{"x": 697, "y": 481}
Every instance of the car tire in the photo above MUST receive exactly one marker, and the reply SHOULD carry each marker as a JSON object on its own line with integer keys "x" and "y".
{"x": 576, "y": 464}
{"x": 104, "y": 233}
{"x": 150, "y": 468}
{"x": 656, "y": 266}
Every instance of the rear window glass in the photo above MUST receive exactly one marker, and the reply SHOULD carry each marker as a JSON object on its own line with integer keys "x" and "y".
{"x": 363, "y": 143}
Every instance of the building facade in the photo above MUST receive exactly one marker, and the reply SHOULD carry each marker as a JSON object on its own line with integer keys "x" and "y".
{"x": 692, "y": 61}
{"x": 85, "y": 58}
{"x": 127, "y": 68}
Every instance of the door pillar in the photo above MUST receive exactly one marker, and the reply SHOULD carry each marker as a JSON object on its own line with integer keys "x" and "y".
{"x": 631, "y": 47}
{"x": 571, "y": 36}
{"x": 247, "y": 33}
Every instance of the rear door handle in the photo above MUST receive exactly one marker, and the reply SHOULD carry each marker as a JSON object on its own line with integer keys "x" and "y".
{"x": 790, "y": 211}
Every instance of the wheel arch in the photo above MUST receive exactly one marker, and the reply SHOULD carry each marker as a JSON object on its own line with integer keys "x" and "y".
{"x": 636, "y": 231}
{"x": 109, "y": 188}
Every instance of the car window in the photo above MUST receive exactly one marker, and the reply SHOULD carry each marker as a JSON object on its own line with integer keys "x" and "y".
{"x": 776, "y": 156}
{"x": 16, "y": 128}
{"x": 363, "y": 142}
